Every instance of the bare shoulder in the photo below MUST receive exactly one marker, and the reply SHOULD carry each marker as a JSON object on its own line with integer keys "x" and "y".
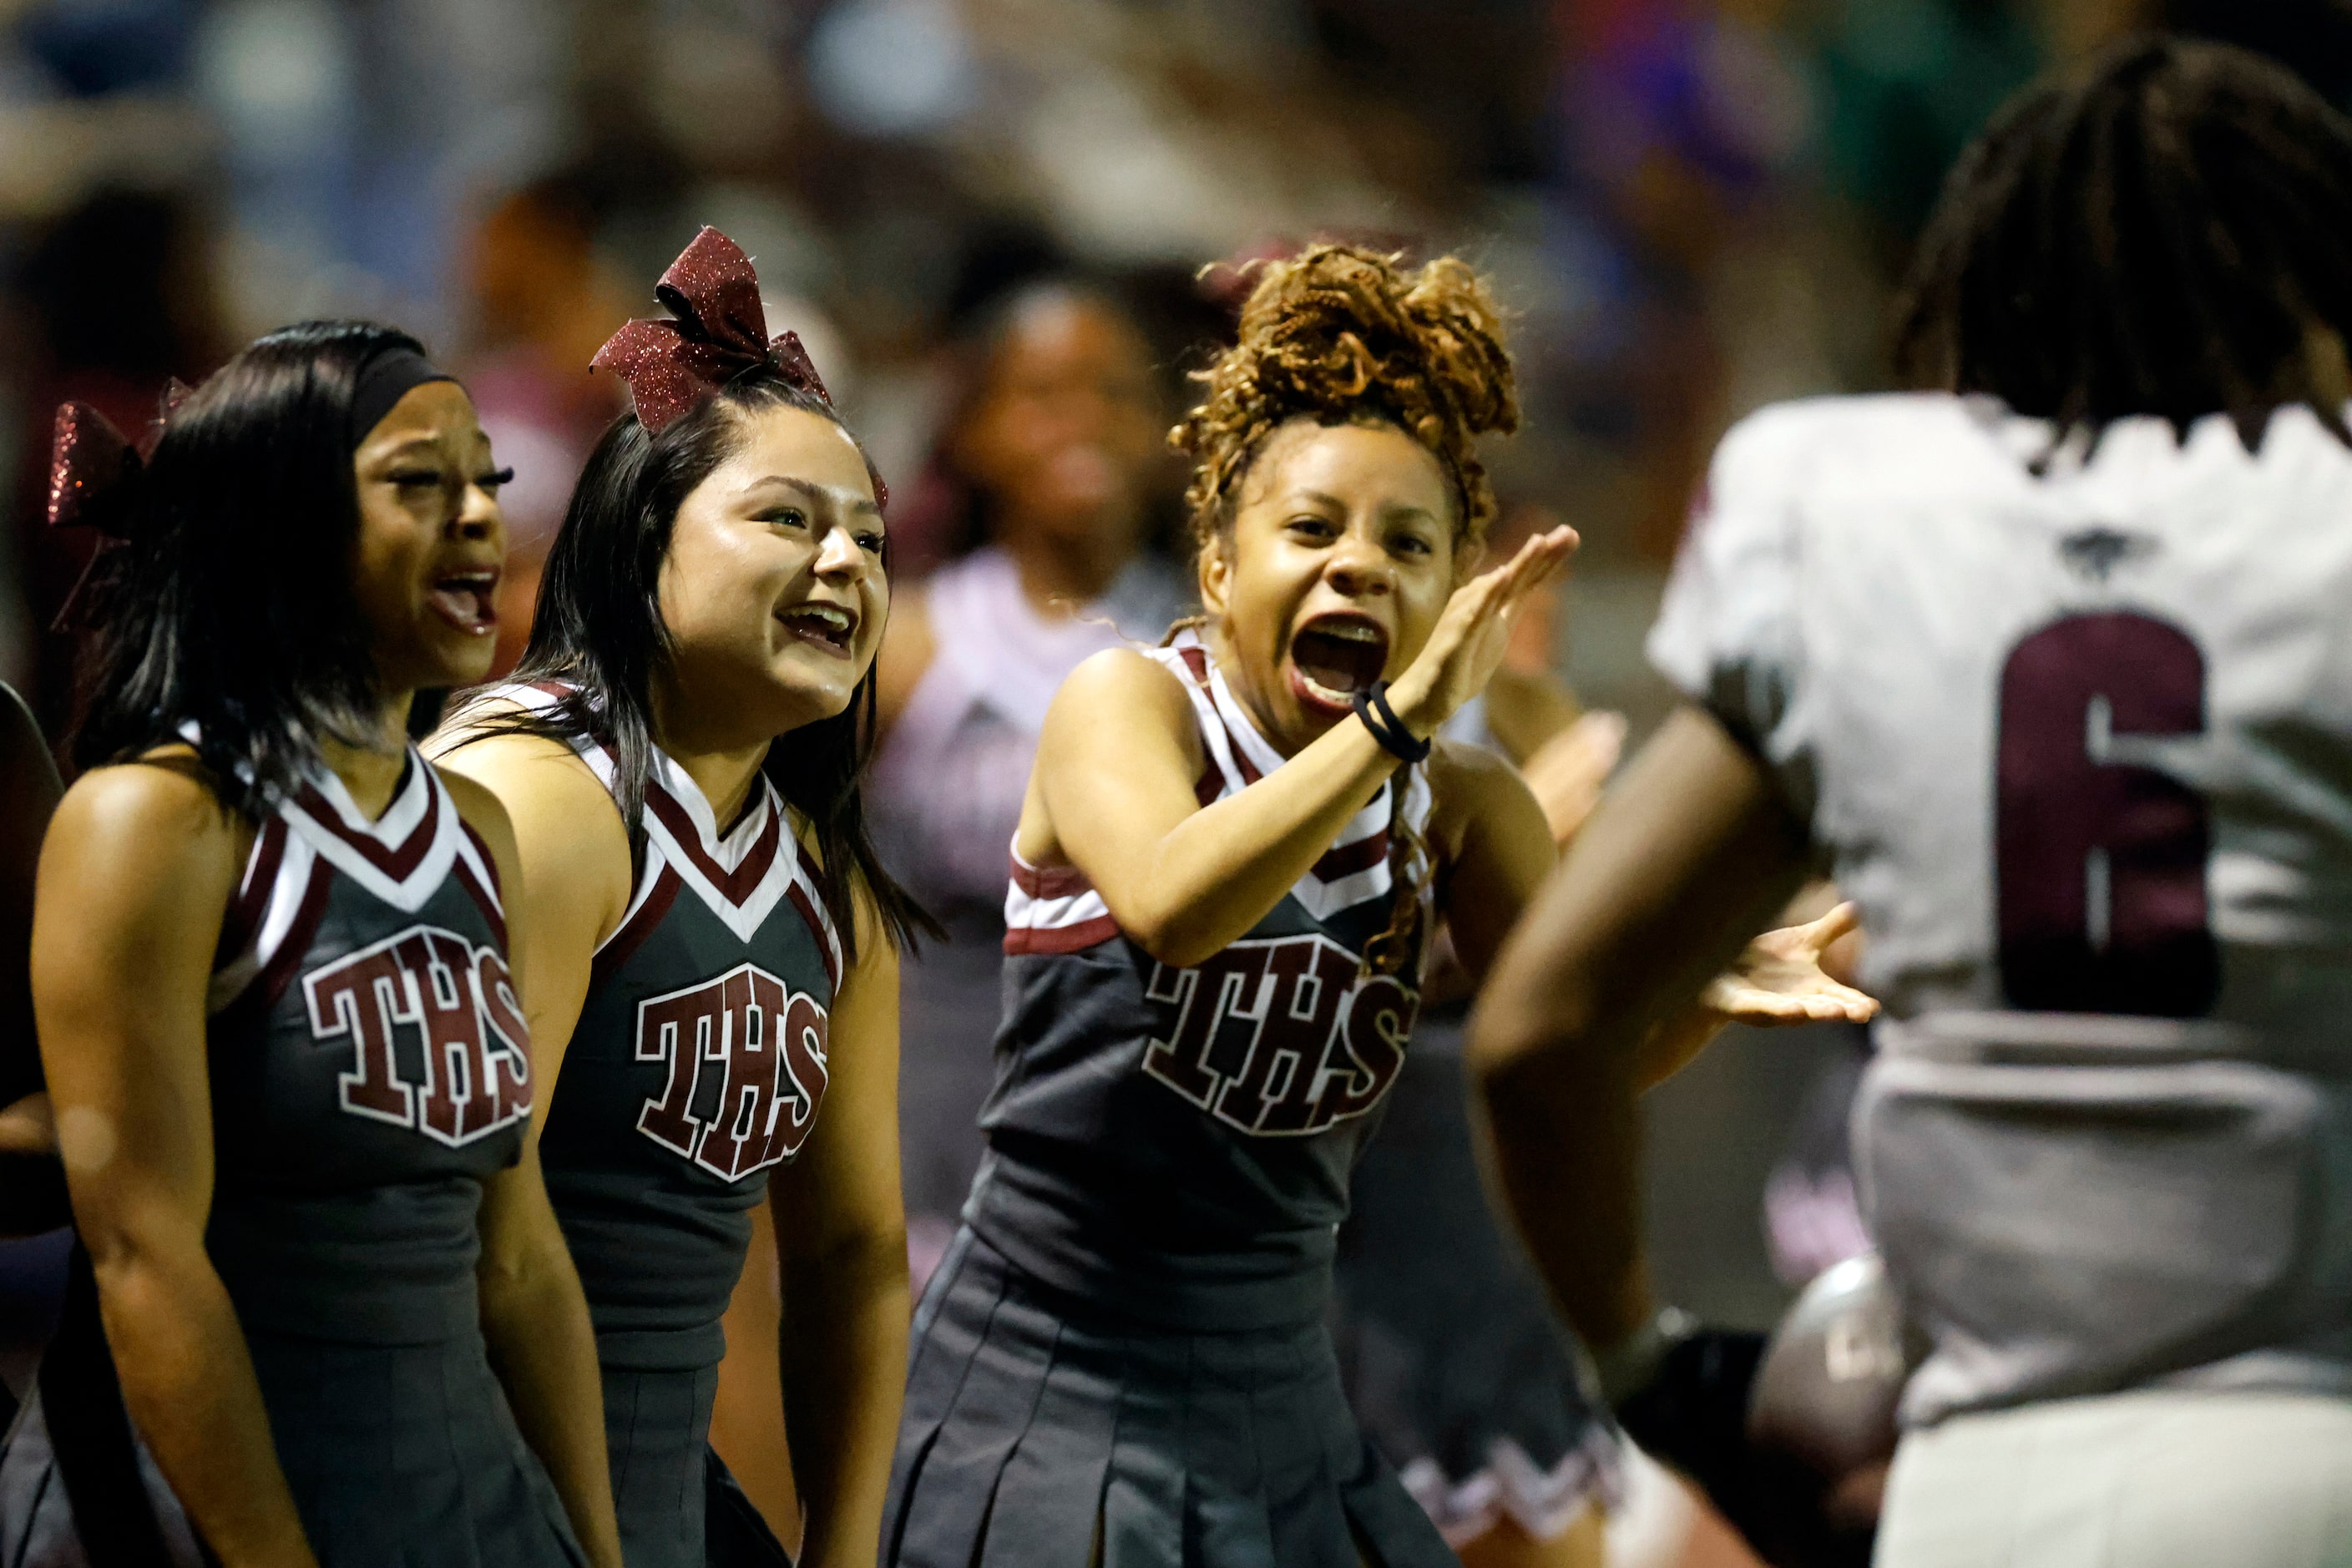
{"x": 1120, "y": 684}
{"x": 481, "y": 807}
{"x": 545, "y": 815}
{"x": 535, "y": 777}
{"x": 165, "y": 791}
{"x": 154, "y": 819}
{"x": 1117, "y": 709}
{"x": 473, "y": 732}
{"x": 1464, "y": 776}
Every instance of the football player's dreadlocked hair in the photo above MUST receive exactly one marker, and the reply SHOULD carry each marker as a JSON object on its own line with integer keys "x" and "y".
{"x": 1342, "y": 335}
{"x": 2161, "y": 232}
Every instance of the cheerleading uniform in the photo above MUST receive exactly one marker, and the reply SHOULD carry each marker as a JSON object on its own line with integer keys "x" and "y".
{"x": 369, "y": 1069}
{"x": 697, "y": 1067}
{"x": 1123, "y": 1354}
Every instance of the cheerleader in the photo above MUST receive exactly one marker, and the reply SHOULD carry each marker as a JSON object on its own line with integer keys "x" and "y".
{"x": 1227, "y": 868}
{"x": 1056, "y": 451}
{"x": 288, "y": 1069}
{"x": 711, "y": 944}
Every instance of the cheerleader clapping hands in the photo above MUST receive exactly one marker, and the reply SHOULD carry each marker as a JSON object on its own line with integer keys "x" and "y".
{"x": 1231, "y": 856}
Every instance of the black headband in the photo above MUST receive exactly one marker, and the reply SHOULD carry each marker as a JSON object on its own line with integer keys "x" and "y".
{"x": 385, "y": 381}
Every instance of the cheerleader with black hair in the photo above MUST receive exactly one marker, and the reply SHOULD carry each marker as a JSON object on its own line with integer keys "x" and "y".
{"x": 286, "y": 1055}
{"x": 711, "y": 944}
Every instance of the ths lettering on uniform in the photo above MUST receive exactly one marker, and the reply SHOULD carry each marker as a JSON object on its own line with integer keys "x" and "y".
{"x": 746, "y": 1059}
{"x": 1282, "y": 1036}
{"x": 458, "y": 1004}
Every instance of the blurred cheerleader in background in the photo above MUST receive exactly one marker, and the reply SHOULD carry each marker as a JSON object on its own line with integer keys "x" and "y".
{"x": 1055, "y": 456}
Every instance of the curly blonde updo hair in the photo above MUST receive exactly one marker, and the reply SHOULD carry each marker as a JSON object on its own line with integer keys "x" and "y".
{"x": 1343, "y": 335}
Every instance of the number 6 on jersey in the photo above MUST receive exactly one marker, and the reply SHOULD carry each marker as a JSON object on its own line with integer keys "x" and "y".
{"x": 2101, "y": 863}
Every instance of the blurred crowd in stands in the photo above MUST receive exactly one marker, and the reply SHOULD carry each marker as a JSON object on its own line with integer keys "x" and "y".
{"x": 1693, "y": 206}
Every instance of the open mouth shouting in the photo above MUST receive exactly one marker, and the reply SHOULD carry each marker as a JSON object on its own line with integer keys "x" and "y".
{"x": 1334, "y": 656}
{"x": 468, "y": 599}
{"x": 830, "y": 627}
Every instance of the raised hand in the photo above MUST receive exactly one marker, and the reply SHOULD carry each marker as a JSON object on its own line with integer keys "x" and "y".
{"x": 1466, "y": 646}
{"x": 1778, "y": 978}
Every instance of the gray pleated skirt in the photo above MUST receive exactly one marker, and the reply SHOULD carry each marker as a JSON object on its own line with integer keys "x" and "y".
{"x": 406, "y": 1455}
{"x": 1041, "y": 1435}
{"x": 680, "y": 1508}
{"x": 1449, "y": 1349}
{"x": 38, "y": 1526}
{"x": 398, "y": 1456}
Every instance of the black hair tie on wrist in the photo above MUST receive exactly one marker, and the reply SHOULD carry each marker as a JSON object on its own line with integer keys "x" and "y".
{"x": 1372, "y": 708}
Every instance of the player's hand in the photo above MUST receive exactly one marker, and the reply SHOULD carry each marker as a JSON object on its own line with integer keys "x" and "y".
{"x": 1566, "y": 771}
{"x": 28, "y": 1126}
{"x": 32, "y": 1181}
{"x": 1779, "y": 979}
{"x": 1463, "y": 653}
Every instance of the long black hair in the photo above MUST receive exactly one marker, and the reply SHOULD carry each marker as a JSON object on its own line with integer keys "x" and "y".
{"x": 598, "y": 631}
{"x": 2163, "y": 231}
{"x": 230, "y": 605}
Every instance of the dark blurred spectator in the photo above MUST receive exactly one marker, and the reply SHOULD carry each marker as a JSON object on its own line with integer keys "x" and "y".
{"x": 540, "y": 302}
{"x": 1684, "y": 127}
{"x": 1472, "y": 75}
{"x": 1906, "y": 84}
{"x": 123, "y": 45}
{"x": 120, "y": 296}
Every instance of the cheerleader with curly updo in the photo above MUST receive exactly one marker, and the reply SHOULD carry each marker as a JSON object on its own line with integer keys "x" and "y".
{"x": 1231, "y": 859}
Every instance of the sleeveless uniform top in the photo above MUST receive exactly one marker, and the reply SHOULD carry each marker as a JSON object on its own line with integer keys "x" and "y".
{"x": 1176, "y": 1143}
{"x": 2079, "y": 744}
{"x": 369, "y": 1067}
{"x": 698, "y": 1065}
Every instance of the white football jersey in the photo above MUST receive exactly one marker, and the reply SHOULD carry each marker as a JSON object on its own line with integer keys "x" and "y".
{"x": 2077, "y": 742}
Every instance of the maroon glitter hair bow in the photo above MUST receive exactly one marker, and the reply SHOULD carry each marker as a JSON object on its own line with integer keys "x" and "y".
{"x": 93, "y": 470}
{"x": 719, "y": 330}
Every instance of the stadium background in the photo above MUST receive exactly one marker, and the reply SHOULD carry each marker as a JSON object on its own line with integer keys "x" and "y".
{"x": 1691, "y": 208}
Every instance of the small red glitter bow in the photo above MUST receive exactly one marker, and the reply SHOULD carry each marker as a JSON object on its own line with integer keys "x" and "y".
{"x": 720, "y": 331}
{"x": 91, "y": 467}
